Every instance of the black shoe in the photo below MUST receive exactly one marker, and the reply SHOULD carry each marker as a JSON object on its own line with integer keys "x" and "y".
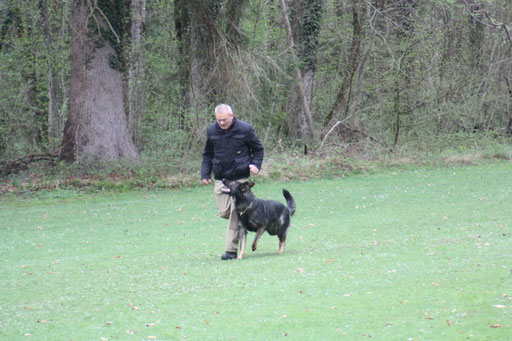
{"x": 228, "y": 255}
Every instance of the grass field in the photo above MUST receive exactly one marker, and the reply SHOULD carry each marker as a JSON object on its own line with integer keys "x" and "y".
{"x": 419, "y": 254}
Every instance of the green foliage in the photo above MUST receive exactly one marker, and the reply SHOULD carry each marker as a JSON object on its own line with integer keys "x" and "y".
{"x": 416, "y": 88}
{"x": 23, "y": 104}
{"x": 422, "y": 254}
{"x": 27, "y": 59}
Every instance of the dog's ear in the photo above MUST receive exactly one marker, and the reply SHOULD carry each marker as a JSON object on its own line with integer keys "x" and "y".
{"x": 250, "y": 184}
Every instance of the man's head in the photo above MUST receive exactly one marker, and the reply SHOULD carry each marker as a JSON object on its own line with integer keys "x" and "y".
{"x": 224, "y": 116}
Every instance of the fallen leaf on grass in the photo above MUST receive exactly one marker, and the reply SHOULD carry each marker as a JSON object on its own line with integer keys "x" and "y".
{"x": 283, "y": 317}
{"x": 499, "y": 306}
{"x": 496, "y": 326}
{"x": 301, "y": 270}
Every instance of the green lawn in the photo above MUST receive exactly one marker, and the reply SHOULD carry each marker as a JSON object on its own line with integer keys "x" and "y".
{"x": 423, "y": 254}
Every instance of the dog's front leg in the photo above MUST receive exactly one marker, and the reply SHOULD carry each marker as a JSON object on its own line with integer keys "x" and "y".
{"x": 282, "y": 243}
{"x": 243, "y": 237}
{"x": 259, "y": 232}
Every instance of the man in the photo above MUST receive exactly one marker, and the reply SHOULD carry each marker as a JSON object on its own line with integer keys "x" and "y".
{"x": 233, "y": 151}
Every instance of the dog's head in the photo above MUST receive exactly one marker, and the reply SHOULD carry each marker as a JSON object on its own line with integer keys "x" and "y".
{"x": 236, "y": 187}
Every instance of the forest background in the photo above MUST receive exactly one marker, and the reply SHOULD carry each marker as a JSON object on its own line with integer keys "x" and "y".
{"x": 125, "y": 89}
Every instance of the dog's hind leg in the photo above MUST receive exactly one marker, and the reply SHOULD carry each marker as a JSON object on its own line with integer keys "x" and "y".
{"x": 243, "y": 238}
{"x": 259, "y": 232}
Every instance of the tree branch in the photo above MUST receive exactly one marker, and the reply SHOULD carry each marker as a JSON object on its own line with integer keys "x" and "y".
{"x": 22, "y": 163}
{"x": 350, "y": 127}
{"x": 491, "y": 21}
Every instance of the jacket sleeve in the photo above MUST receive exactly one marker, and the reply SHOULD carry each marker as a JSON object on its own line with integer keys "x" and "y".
{"x": 256, "y": 149}
{"x": 206, "y": 166}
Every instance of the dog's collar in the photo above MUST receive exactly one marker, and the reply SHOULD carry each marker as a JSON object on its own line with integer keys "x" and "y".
{"x": 245, "y": 211}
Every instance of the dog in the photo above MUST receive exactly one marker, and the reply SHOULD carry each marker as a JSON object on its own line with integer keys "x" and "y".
{"x": 258, "y": 215}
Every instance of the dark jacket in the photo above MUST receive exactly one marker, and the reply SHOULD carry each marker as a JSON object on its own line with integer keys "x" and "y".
{"x": 228, "y": 153}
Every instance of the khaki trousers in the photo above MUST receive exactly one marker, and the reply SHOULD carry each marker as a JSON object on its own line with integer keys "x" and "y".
{"x": 226, "y": 209}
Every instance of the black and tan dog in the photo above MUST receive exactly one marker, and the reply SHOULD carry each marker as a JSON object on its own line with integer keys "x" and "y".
{"x": 259, "y": 215}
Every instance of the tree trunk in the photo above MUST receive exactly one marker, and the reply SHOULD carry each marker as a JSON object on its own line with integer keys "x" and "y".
{"x": 307, "y": 27}
{"x": 209, "y": 36}
{"x": 55, "y": 125}
{"x": 235, "y": 10}
{"x": 137, "y": 70}
{"x": 341, "y": 105}
{"x": 197, "y": 31}
{"x": 96, "y": 129}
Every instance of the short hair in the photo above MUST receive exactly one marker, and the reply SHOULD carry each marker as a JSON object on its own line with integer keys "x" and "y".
{"x": 223, "y": 108}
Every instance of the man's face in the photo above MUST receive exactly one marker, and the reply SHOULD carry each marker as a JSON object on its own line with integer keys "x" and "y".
{"x": 224, "y": 119}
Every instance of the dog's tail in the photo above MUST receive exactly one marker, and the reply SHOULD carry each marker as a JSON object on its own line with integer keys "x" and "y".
{"x": 289, "y": 201}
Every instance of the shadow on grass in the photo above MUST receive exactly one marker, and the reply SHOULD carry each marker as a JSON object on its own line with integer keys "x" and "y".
{"x": 259, "y": 255}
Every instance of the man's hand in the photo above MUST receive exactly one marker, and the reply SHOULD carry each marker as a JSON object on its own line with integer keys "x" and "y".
{"x": 254, "y": 169}
{"x": 206, "y": 181}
